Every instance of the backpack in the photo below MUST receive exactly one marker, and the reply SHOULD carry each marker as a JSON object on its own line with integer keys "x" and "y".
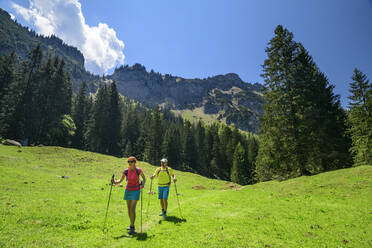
{"x": 126, "y": 173}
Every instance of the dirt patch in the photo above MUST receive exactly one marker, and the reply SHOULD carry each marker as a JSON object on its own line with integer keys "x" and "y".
{"x": 232, "y": 186}
{"x": 199, "y": 187}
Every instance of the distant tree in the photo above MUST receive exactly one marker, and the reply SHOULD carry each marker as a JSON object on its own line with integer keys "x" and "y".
{"x": 171, "y": 148}
{"x": 96, "y": 134}
{"x": 10, "y": 91}
{"x": 113, "y": 124}
{"x": 190, "y": 154}
{"x": 252, "y": 154}
{"x": 217, "y": 163}
{"x": 81, "y": 116}
{"x": 8, "y": 72}
{"x": 200, "y": 148}
{"x": 208, "y": 145}
{"x": 62, "y": 131}
{"x": 154, "y": 138}
{"x": 131, "y": 131}
{"x": 360, "y": 118}
{"x": 240, "y": 168}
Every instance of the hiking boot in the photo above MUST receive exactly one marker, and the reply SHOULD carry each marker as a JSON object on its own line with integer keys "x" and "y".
{"x": 131, "y": 230}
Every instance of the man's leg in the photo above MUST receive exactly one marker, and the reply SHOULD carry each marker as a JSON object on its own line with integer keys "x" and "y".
{"x": 160, "y": 196}
{"x": 165, "y": 203}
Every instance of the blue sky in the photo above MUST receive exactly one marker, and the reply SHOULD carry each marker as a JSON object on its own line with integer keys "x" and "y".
{"x": 201, "y": 38}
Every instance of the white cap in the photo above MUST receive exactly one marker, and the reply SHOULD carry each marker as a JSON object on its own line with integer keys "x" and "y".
{"x": 164, "y": 160}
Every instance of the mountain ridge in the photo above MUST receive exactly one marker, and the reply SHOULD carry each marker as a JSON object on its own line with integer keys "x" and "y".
{"x": 225, "y": 98}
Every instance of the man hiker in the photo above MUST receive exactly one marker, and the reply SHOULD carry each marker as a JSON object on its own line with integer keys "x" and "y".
{"x": 164, "y": 174}
{"x": 132, "y": 190}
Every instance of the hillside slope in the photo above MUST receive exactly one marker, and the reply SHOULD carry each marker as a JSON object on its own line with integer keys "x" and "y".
{"x": 39, "y": 208}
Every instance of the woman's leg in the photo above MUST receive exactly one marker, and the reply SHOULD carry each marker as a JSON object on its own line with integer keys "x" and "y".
{"x": 129, "y": 211}
{"x": 133, "y": 204}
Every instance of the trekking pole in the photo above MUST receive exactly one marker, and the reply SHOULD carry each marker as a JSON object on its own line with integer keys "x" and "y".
{"x": 141, "y": 205}
{"x": 148, "y": 204}
{"x": 108, "y": 204}
{"x": 179, "y": 207}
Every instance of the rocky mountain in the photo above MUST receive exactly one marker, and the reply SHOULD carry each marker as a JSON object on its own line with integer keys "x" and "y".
{"x": 224, "y": 98}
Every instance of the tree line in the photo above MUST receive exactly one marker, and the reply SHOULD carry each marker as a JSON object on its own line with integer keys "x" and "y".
{"x": 304, "y": 129}
{"x": 39, "y": 107}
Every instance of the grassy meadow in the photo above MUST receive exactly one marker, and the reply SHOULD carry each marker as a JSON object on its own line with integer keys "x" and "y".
{"x": 40, "y": 208}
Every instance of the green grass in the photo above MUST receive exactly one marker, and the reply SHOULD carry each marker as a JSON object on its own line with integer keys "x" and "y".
{"x": 197, "y": 114}
{"x": 38, "y": 208}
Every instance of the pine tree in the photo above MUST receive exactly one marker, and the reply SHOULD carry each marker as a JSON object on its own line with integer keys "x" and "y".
{"x": 154, "y": 138}
{"x": 81, "y": 116}
{"x": 45, "y": 101}
{"x": 10, "y": 91}
{"x": 25, "y": 119}
{"x": 171, "y": 148}
{"x": 200, "y": 148}
{"x": 252, "y": 154}
{"x": 208, "y": 145}
{"x": 96, "y": 134}
{"x": 303, "y": 128}
{"x": 113, "y": 124}
{"x": 360, "y": 118}
{"x": 240, "y": 167}
{"x": 217, "y": 159}
{"x": 226, "y": 157}
{"x": 190, "y": 155}
{"x": 273, "y": 158}
{"x": 8, "y": 72}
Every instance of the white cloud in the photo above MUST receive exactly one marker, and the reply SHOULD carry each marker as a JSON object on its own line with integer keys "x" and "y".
{"x": 12, "y": 16}
{"x": 100, "y": 46}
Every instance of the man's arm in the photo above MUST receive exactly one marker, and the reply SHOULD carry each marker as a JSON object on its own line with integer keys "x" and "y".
{"x": 155, "y": 173}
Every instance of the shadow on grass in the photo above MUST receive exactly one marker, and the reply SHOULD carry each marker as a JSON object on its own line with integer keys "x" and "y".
{"x": 138, "y": 236}
{"x": 173, "y": 219}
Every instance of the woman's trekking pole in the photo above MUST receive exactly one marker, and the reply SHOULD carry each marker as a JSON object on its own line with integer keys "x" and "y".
{"x": 179, "y": 207}
{"x": 108, "y": 204}
{"x": 141, "y": 206}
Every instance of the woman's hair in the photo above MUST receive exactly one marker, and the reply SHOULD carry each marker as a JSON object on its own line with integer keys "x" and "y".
{"x": 132, "y": 158}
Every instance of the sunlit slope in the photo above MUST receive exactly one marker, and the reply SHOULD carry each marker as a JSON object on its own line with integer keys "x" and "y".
{"x": 39, "y": 208}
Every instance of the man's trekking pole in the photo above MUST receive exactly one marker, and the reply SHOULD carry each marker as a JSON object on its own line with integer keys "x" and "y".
{"x": 108, "y": 204}
{"x": 179, "y": 207}
{"x": 148, "y": 204}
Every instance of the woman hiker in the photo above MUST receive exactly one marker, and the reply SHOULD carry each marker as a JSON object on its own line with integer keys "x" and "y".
{"x": 132, "y": 190}
{"x": 164, "y": 174}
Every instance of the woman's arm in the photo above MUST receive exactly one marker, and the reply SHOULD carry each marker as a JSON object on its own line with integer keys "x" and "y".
{"x": 143, "y": 180}
{"x": 120, "y": 180}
